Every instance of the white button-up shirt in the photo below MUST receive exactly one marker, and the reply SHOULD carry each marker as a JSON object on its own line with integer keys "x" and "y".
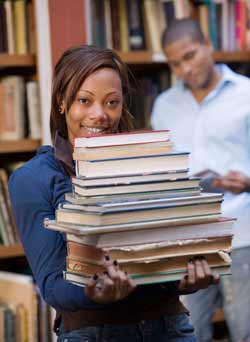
{"x": 216, "y": 132}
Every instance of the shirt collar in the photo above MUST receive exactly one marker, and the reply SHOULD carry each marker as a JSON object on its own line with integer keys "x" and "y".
{"x": 63, "y": 152}
{"x": 228, "y": 76}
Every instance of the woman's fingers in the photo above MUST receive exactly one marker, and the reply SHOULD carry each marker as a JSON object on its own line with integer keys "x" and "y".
{"x": 199, "y": 275}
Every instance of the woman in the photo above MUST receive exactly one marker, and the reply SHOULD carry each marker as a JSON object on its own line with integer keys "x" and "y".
{"x": 89, "y": 94}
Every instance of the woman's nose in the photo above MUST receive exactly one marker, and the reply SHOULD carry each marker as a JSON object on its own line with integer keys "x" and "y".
{"x": 98, "y": 112}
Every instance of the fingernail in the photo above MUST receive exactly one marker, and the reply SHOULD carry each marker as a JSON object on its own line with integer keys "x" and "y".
{"x": 95, "y": 276}
{"x": 107, "y": 257}
{"x": 115, "y": 263}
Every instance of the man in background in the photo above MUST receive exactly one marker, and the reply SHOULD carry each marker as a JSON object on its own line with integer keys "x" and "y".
{"x": 208, "y": 113}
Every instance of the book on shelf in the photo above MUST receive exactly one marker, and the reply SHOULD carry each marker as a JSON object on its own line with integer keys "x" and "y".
{"x": 117, "y": 139}
{"x": 136, "y": 187}
{"x": 18, "y": 290}
{"x": 8, "y": 4}
{"x": 12, "y": 112}
{"x": 145, "y": 232}
{"x": 33, "y": 106}
{"x": 132, "y": 165}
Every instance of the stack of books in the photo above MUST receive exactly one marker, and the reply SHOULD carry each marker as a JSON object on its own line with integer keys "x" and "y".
{"x": 132, "y": 198}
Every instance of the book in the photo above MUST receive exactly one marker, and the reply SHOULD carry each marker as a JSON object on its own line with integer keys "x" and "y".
{"x": 143, "y": 204}
{"x": 77, "y": 199}
{"x": 20, "y": 26}
{"x": 150, "y": 251}
{"x": 122, "y": 151}
{"x": 203, "y": 227}
{"x": 12, "y": 115}
{"x": 135, "y": 187}
{"x": 132, "y": 165}
{"x": 139, "y": 269}
{"x": 135, "y": 215}
{"x": 160, "y": 277}
{"x": 8, "y": 4}
{"x": 145, "y": 232}
{"x": 34, "y": 117}
{"x": 136, "y": 137}
{"x": 19, "y": 289}
{"x": 142, "y": 178}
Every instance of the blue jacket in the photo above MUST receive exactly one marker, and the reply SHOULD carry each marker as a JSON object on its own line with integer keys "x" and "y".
{"x": 36, "y": 189}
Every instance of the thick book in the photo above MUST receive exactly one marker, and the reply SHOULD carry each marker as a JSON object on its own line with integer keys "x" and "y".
{"x": 140, "y": 269}
{"x": 191, "y": 183}
{"x": 198, "y": 227}
{"x": 122, "y": 151}
{"x": 114, "y": 216}
{"x": 136, "y": 137}
{"x": 150, "y": 251}
{"x": 144, "y": 204}
{"x": 132, "y": 165}
{"x": 144, "y": 279}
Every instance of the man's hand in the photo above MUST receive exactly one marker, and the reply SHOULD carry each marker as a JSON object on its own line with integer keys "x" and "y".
{"x": 111, "y": 286}
{"x": 199, "y": 276}
{"x": 234, "y": 181}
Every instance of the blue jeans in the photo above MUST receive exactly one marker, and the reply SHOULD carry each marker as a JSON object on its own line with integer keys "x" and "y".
{"x": 233, "y": 294}
{"x": 169, "y": 328}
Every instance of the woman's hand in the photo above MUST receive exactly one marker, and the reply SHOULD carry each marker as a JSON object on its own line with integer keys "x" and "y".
{"x": 115, "y": 284}
{"x": 234, "y": 181}
{"x": 199, "y": 276}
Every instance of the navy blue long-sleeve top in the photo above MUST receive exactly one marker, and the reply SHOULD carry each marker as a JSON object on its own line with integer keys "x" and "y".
{"x": 36, "y": 189}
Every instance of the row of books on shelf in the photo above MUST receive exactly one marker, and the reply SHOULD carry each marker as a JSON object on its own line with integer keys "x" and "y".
{"x": 226, "y": 22}
{"x": 19, "y": 108}
{"x": 24, "y": 316}
{"x": 8, "y": 232}
{"x": 132, "y": 197}
{"x": 129, "y": 25}
{"x": 17, "y": 27}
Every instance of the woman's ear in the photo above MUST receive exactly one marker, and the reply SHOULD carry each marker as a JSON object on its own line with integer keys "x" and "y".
{"x": 62, "y": 108}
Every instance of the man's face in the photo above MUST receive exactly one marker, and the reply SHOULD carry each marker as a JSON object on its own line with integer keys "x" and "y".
{"x": 191, "y": 61}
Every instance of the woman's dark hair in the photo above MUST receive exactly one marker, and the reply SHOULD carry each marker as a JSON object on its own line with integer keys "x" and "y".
{"x": 74, "y": 66}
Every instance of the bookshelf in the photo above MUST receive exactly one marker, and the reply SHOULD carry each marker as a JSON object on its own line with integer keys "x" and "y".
{"x": 12, "y": 251}
{"x": 22, "y": 146}
{"x": 20, "y": 61}
{"x": 147, "y": 57}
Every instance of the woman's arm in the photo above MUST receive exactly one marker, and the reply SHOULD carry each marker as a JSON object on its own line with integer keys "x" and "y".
{"x": 32, "y": 201}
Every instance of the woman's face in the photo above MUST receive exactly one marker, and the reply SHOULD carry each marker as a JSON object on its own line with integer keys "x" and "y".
{"x": 97, "y": 107}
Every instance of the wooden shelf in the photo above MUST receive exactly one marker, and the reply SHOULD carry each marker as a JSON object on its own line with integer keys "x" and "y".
{"x": 238, "y": 56}
{"x": 7, "y": 61}
{"x": 147, "y": 57}
{"x": 24, "y": 145}
{"x": 11, "y": 251}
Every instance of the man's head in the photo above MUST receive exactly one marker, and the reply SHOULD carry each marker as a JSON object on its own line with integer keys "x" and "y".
{"x": 189, "y": 53}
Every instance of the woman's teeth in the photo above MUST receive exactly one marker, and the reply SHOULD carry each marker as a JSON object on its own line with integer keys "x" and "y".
{"x": 94, "y": 129}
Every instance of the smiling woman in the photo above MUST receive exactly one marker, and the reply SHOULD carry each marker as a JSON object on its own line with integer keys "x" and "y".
{"x": 90, "y": 90}
{"x": 89, "y": 95}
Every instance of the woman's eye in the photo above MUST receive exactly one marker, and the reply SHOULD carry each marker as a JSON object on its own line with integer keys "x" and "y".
{"x": 83, "y": 101}
{"x": 112, "y": 103}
